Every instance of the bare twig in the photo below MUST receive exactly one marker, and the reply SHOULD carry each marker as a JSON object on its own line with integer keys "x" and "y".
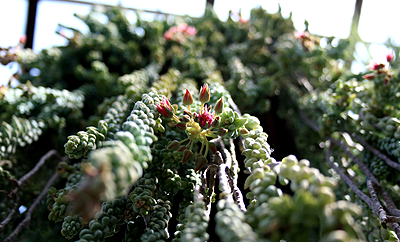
{"x": 381, "y": 212}
{"x": 211, "y": 188}
{"x": 11, "y": 214}
{"x": 388, "y": 200}
{"x": 226, "y": 192}
{"x": 34, "y": 170}
{"x": 237, "y": 194}
{"x": 376, "y": 152}
{"x": 235, "y": 163}
{"x": 376, "y": 207}
{"x": 308, "y": 121}
{"x": 395, "y": 227}
{"x": 211, "y": 184}
{"x": 16, "y": 185}
{"x": 347, "y": 179}
{"x": 361, "y": 164}
{"x": 372, "y": 203}
{"x": 228, "y": 185}
{"x": 27, "y": 219}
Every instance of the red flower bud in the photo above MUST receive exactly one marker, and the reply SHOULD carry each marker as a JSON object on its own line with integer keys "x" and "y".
{"x": 219, "y": 106}
{"x": 216, "y": 122}
{"x": 300, "y": 34}
{"x": 188, "y": 99}
{"x": 183, "y": 147}
{"x": 165, "y": 108}
{"x": 201, "y": 162}
{"x": 22, "y": 39}
{"x": 370, "y": 76}
{"x": 222, "y": 131}
{"x": 174, "y": 145}
{"x": 212, "y": 147}
{"x": 390, "y": 56}
{"x": 191, "y": 30}
{"x": 181, "y": 126}
{"x": 204, "y": 95}
{"x": 244, "y": 131}
{"x": 374, "y": 66}
{"x": 168, "y": 35}
{"x": 187, "y": 154}
{"x": 182, "y": 27}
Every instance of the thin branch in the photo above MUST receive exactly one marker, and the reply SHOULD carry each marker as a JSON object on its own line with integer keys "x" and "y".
{"x": 16, "y": 185}
{"x": 228, "y": 185}
{"x": 11, "y": 214}
{"x": 226, "y": 192}
{"x": 349, "y": 182}
{"x": 372, "y": 204}
{"x": 310, "y": 123}
{"x": 395, "y": 227}
{"x": 211, "y": 183}
{"x": 235, "y": 163}
{"x": 237, "y": 194}
{"x": 376, "y": 152}
{"x": 361, "y": 164}
{"x": 381, "y": 212}
{"x": 388, "y": 200}
{"x": 27, "y": 219}
{"x": 34, "y": 170}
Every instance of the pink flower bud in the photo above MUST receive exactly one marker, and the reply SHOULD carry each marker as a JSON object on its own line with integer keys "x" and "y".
{"x": 186, "y": 118}
{"x": 243, "y": 21}
{"x": 181, "y": 126}
{"x": 300, "y": 34}
{"x": 168, "y": 35}
{"x": 374, "y": 66}
{"x": 183, "y": 147}
{"x": 244, "y": 131}
{"x": 201, "y": 162}
{"x": 174, "y": 145}
{"x": 213, "y": 148}
{"x": 182, "y": 27}
{"x": 219, "y": 106}
{"x": 222, "y": 131}
{"x": 187, "y": 99}
{"x": 370, "y": 76}
{"x": 390, "y": 56}
{"x": 173, "y": 30}
{"x": 216, "y": 122}
{"x": 165, "y": 108}
{"x": 187, "y": 154}
{"x": 204, "y": 95}
{"x": 191, "y": 30}
{"x": 22, "y": 39}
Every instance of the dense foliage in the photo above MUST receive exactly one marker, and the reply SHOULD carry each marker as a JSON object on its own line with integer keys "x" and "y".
{"x": 158, "y": 131}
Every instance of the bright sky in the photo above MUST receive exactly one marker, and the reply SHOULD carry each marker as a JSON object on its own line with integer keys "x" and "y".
{"x": 328, "y": 18}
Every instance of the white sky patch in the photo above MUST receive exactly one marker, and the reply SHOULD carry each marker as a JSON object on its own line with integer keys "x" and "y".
{"x": 22, "y": 209}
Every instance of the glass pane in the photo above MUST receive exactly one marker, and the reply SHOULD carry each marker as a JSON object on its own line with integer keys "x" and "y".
{"x": 52, "y": 13}
{"x": 194, "y": 8}
{"x": 12, "y": 21}
{"x": 378, "y": 21}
